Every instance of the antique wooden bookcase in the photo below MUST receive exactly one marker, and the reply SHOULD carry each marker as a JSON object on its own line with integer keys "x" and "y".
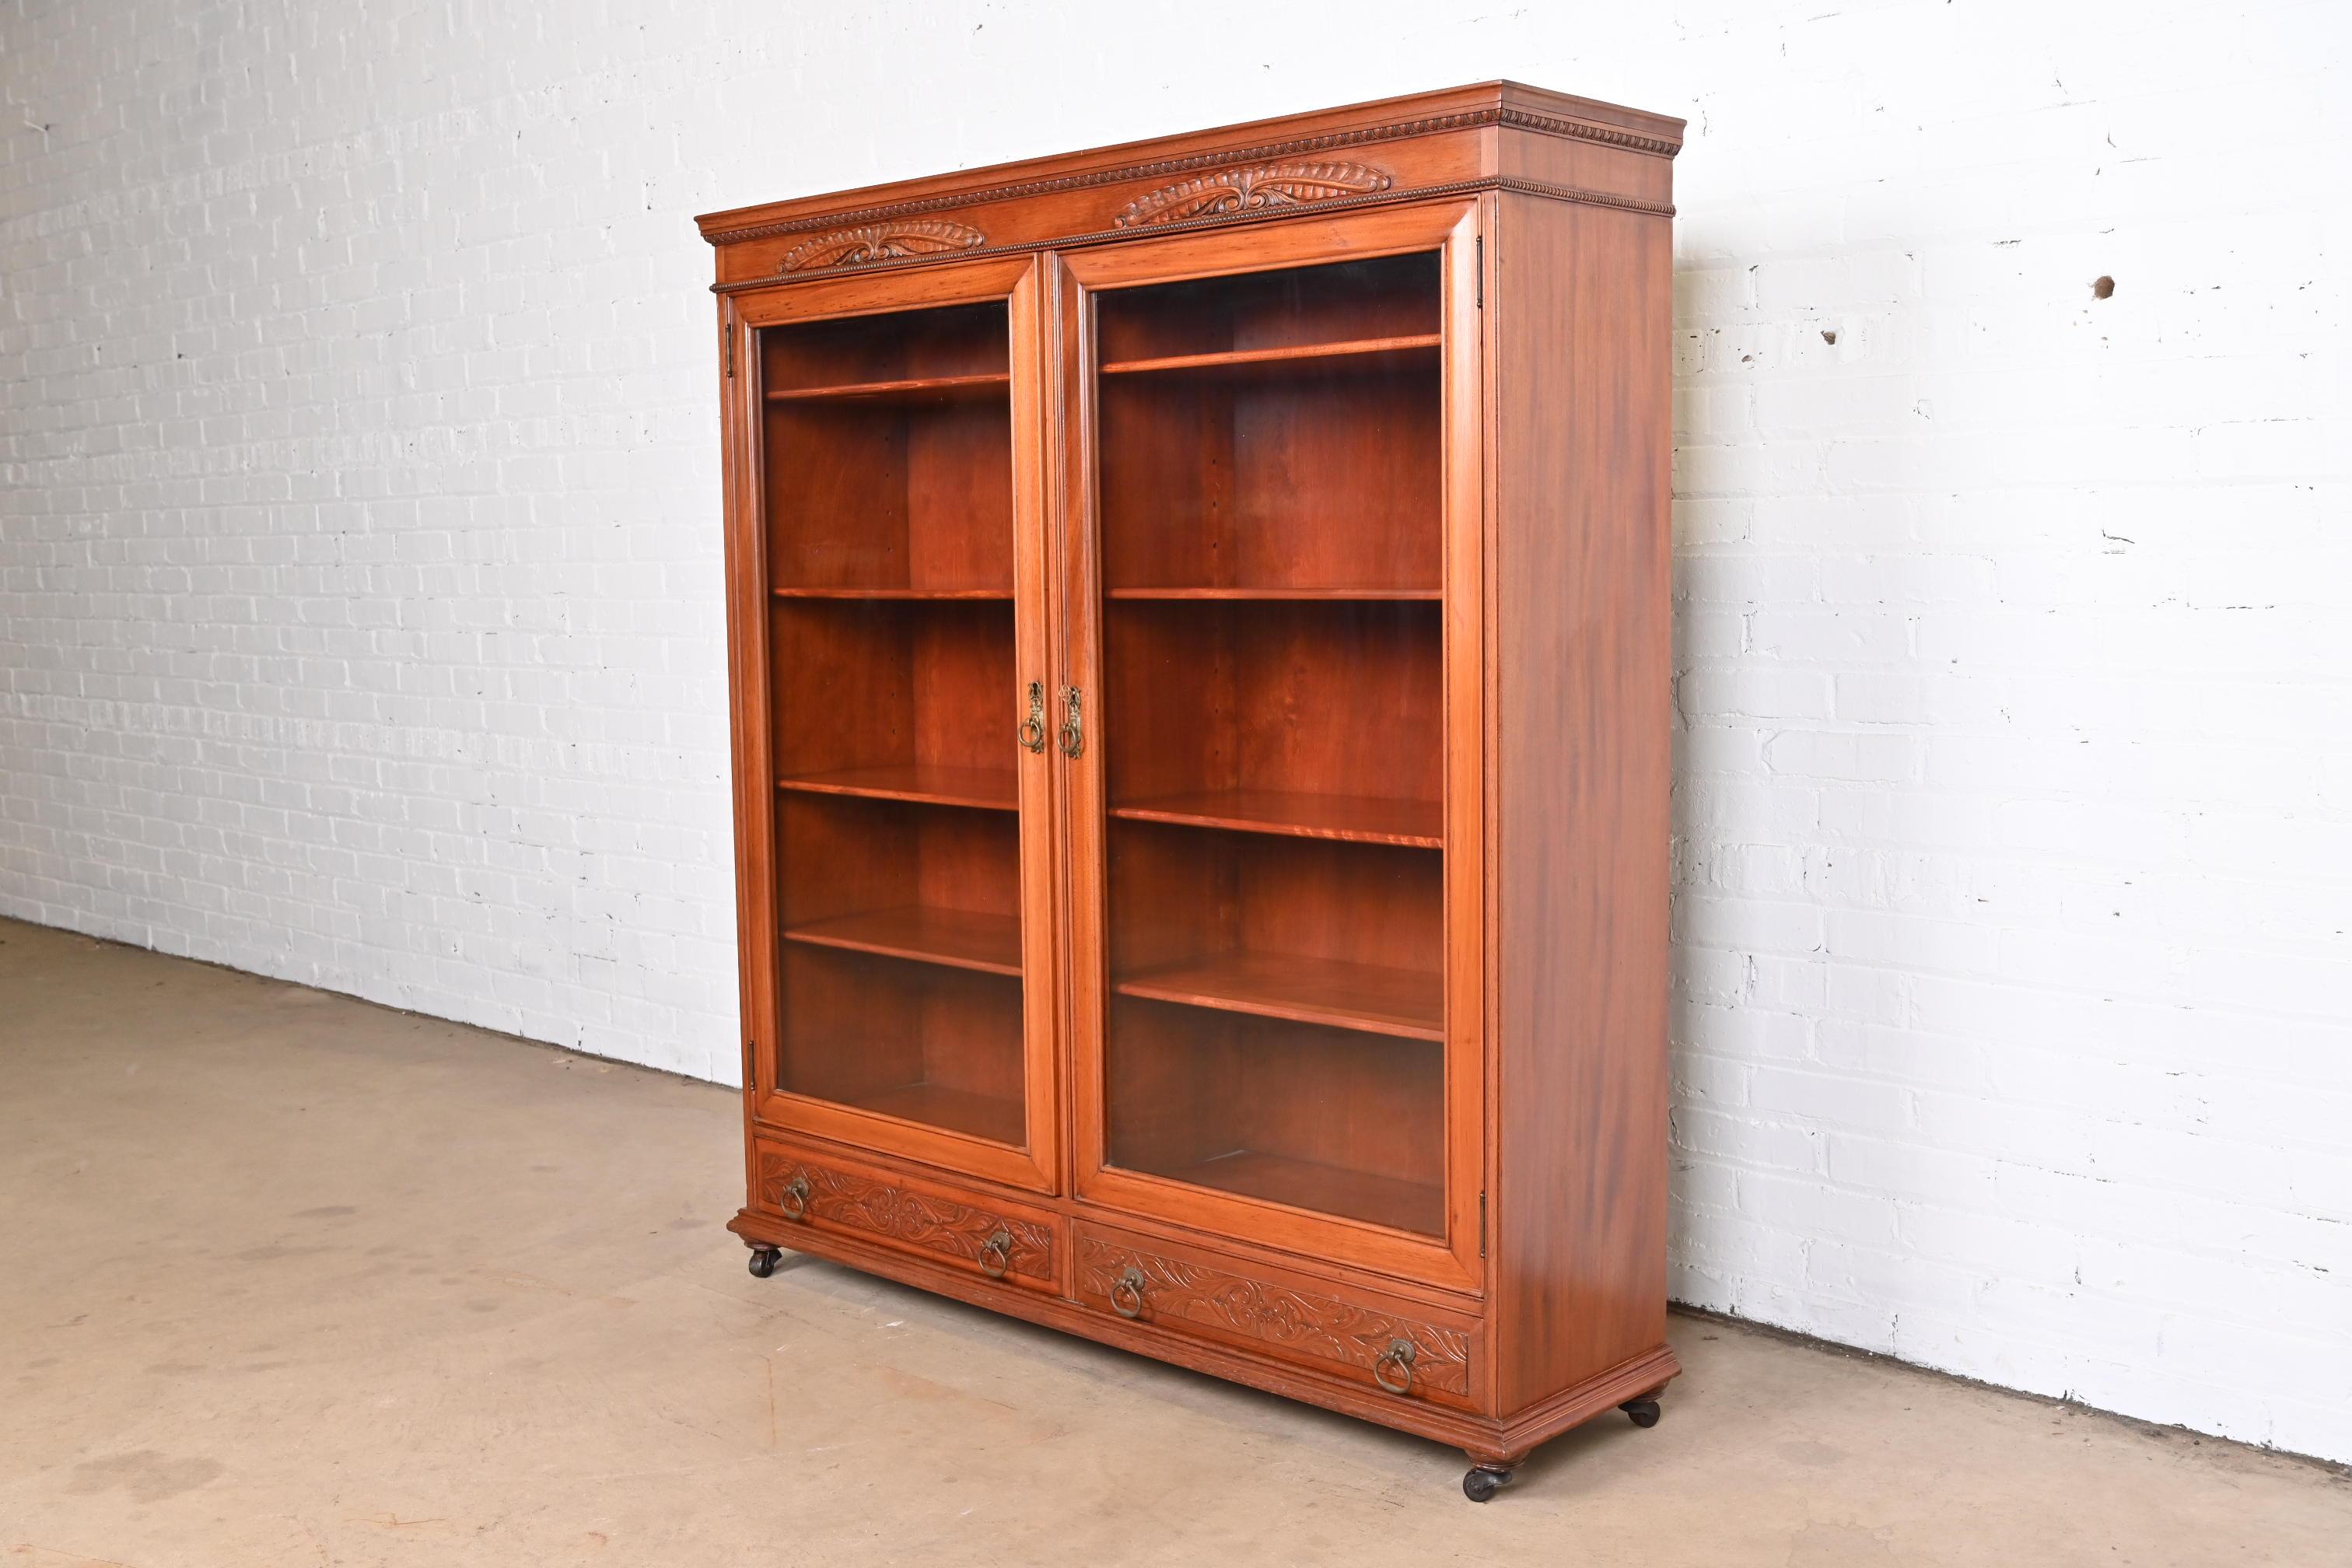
{"x": 1198, "y": 615}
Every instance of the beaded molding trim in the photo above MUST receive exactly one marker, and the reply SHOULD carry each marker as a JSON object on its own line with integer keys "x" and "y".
{"x": 1576, "y": 129}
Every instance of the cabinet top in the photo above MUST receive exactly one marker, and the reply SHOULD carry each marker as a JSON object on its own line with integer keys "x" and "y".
{"x": 1489, "y": 135}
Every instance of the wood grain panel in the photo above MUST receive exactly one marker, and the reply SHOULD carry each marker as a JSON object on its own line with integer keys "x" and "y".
{"x": 1579, "y": 322}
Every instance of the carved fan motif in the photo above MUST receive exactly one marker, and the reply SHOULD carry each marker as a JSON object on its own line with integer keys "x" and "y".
{"x": 881, "y": 242}
{"x": 1253, "y": 188}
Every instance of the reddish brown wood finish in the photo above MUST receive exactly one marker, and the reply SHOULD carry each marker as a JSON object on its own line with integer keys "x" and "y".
{"x": 1297, "y": 980}
{"x": 1581, "y": 666}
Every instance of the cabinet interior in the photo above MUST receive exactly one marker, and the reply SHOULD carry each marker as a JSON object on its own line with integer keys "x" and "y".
{"x": 887, "y": 448}
{"x": 1272, "y": 434}
{"x": 887, "y": 479}
{"x": 1270, "y": 521}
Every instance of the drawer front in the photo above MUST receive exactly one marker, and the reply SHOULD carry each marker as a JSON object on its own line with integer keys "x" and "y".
{"x": 1318, "y": 1324}
{"x": 980, "y": 1235}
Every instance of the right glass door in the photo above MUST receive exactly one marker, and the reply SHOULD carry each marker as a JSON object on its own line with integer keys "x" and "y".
{"x": 1268, "y": 595}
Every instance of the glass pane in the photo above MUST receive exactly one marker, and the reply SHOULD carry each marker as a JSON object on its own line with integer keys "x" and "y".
{"x": 890, "y": 507}
{"x": 1270, "y": 515}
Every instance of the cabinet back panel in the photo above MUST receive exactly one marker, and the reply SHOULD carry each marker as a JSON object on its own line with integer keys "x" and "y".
{"x": 880, "y": 495}
{"x": 836, "y": 495}
{"x": 1322, "y": 476}
{"x": 960, "y": 340}
{"x": 1187, "y": 892}
{"x": 1337, "y": 698}
{"x": 842, "y": 856}
{"x": 1320, "y": 1119}
{"x": 862, "y": 683}
{"x": 1388, "y": 296}
{"x": 845, "y": 1037}
{"x": 933, "y": 1045}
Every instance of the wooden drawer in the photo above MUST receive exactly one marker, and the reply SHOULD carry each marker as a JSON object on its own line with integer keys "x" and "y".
{"x": 1318, "y": 1324}
{"x": 929, "y": 1220}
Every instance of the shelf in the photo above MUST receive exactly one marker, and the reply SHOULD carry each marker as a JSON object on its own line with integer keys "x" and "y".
{"x": 916, "y": 594}
{"x": 958, "y": 939}
{"x": 913, "y": 389}
{"x": 1415, "y": 1207}
{"x": 986, "y": 789}
{"x": 996, "y": 1118}
{"x": 1365, "y": 354}
{"x": 1372, "y": 998}
{"x": 1311, "y": 595}
{"x": 1355, "y": 818}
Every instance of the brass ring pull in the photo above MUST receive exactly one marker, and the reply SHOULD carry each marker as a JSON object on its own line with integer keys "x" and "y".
{"x": 793, "y": 1201}
{"x": 1400, "y": 1354}
{"x": 996, "y": 1254}
{"x": 1033, "y": 728}
{"x": 1131, "y": 1282}
{"x": 1074, "y": 725}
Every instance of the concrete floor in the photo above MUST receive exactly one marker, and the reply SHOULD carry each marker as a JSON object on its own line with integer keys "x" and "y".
{"x": 288, "y": 1279}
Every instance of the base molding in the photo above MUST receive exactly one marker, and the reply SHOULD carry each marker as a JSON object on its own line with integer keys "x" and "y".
{"x": 1501, "y": 1441}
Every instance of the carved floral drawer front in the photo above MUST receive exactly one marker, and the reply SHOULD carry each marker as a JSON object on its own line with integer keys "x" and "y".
{"x": 982, "y": 1237}
{"x": 1410, "y": 1357}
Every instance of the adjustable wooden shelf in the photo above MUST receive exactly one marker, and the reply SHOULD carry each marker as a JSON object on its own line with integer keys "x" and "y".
{"x": 1198, "y": 615}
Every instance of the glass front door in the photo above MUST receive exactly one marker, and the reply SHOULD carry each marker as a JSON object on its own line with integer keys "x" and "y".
{"x": 1269, "y": 507}
{"x": 907, "y": 847}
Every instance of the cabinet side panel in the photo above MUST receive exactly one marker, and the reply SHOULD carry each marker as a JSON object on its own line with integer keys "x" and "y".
{"x": 1581, "y": 321}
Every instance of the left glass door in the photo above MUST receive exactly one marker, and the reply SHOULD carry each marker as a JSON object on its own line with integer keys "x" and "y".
{"x": 893, "y": 445}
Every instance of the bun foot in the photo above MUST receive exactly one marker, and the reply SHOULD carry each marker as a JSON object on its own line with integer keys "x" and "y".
{"x": 1644, "y": 1412}
{"x": 1483, "y": 1481}
{"x": 765, "y": 1258}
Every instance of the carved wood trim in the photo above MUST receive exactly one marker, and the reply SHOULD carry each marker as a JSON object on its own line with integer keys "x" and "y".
{"x": 1375, "y": 198}
{"x": 1324, "y": 1327}
{"x": 881, "y": 242}
{"x": 1574, "y": 130}
{"x": 1583, "y": 130}
{"x": 1252, "y": 187}
{"x": 918, "y": 1219}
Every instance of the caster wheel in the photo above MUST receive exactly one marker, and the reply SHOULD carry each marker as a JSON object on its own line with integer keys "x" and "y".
{"x": 1483, "y": 1481}
{"x": 764, "y": 1260}
{"x": 1644, "y": 1412}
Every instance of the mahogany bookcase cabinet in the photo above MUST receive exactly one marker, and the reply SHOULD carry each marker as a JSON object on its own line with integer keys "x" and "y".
{"x": 1198, "y": 624}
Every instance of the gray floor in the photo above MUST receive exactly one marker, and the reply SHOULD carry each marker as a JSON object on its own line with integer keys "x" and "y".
{"x": 290, "y": 1279}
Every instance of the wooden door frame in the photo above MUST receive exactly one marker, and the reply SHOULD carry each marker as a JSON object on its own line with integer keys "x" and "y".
{"x": 1020, "y": 282}
{"x": 1456, "y": 1261}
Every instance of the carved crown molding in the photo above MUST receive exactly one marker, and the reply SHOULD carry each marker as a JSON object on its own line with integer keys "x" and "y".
{"x": 881, "y": 242}
{"x": 1343, "y": 204}
{"x": 1521, "y": 119}
{"x": 1252, "y": 188}
{"x": 1585, "y": 131}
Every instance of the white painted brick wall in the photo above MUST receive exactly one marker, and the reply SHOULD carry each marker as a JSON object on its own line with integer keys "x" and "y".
{"x": 359, "y": 574}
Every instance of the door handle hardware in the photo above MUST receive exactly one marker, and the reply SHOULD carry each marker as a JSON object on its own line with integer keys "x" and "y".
{"x": 1130, "y": 1284}
{"x": 1033, "y": 728}
{"x": 1399, "y": 1356}
{"x": 1073, "y": 729}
